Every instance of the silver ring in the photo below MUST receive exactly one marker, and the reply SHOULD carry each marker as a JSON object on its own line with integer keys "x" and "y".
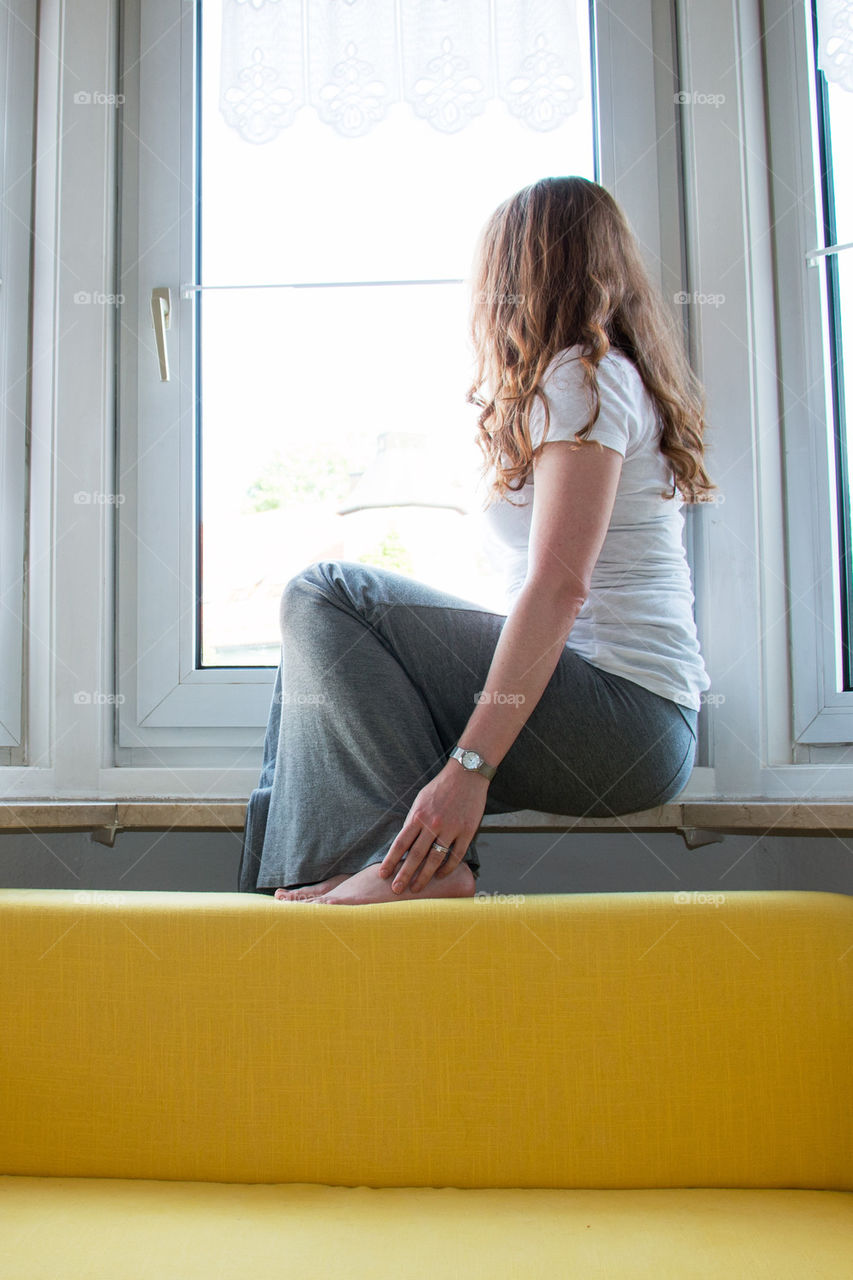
{"x": 441, "y": 848}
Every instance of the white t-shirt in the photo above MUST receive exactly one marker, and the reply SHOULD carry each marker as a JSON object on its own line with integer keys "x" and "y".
{"x": 637, "y": 620}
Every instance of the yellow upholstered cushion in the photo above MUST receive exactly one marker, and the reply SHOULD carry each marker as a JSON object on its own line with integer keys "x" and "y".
{"x": 101, "y": 1229}
{"x": 625, "y": 1040}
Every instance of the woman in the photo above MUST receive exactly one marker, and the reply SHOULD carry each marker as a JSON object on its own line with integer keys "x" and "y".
{"x": 411, "y": 713}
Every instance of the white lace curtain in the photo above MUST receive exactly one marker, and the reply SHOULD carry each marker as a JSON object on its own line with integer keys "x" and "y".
{"x": 835, "y": 41}
{"x": 350, "y": 60}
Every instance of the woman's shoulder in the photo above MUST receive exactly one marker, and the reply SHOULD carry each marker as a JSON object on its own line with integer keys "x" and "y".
{"x": 620, "y": 384}
{"x": 624, "y": 401}
{"x": 566, "y": 364}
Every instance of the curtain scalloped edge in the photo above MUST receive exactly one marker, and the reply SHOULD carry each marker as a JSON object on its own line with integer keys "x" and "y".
{"x": 835, "y": 41}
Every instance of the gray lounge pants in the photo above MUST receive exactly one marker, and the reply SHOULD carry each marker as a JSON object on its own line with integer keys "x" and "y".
{"x": 378, "y": 677}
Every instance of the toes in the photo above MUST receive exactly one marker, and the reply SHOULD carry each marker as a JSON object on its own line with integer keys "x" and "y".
{"x": 300, "y": 891}
{"x": 312, "y": 892}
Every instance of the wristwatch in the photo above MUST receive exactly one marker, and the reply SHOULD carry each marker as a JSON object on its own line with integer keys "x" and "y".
{"x": 473, "y": 762}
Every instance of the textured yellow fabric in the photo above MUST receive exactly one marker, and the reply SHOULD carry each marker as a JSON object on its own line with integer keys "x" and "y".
{"x": 101, "y": 1229}
{"x": 625, "y": 1040}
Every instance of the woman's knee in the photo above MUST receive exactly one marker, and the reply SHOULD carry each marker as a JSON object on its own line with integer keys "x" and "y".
{"x": 296, "y": 591}
{"x": 345, "y": 583}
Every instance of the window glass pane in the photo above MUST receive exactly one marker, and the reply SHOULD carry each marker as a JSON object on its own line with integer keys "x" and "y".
{"x": 840, "y": 102}
{"x": 319, "y": 402}
{"x": 841, "y": 130}
{"x": 835, "y": 122}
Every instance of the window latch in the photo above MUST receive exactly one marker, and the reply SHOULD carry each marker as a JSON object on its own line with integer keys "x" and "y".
{"x": 161, "y": 314}
{"x": 813, "y": 255}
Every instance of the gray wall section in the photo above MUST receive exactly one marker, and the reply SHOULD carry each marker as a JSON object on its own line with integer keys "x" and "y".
{"x": 597, "y": 862}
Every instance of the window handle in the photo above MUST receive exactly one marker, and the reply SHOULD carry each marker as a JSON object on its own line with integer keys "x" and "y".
{"x": 813, "y": 254}
{"x": 161, "y": 314}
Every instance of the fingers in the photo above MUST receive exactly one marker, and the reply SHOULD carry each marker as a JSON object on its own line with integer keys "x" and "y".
{"x": 434, "y": 863}
{"x": 399, "y": 848}
{"x": 422, "y": 876}
{"x": 413, "y": 845}
{"x": 417, "y": 854}
{"x": 457, "y": 853}
{"x": 412, "y": 861}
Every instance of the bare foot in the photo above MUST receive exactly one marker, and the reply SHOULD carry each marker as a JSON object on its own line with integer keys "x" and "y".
{"x": 305, "y": 891}
{"x": 368, "y": 886}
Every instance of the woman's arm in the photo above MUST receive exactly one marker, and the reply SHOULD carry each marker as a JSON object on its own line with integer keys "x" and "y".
{"x": 574, "y": 491}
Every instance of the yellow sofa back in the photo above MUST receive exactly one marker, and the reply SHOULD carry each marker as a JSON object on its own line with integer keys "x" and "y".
{"x": 596, "y": 1040}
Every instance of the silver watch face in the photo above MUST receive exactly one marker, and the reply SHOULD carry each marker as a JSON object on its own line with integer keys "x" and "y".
{"x": 471, "y": 760}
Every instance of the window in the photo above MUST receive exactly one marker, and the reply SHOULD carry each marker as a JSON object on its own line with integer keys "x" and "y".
{"x": 331, "y": 414}
{"x": 813, "y": 218}
{"x": 834, "y": 122}
{"x": 17, "y": 89}
{"x": 120, "y": 697}
{"x": 300, "y": 423}
{"x": 704, "y": 121}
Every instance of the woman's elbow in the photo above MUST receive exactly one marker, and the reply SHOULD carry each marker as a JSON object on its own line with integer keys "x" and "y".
{"x": 564, "y": 596}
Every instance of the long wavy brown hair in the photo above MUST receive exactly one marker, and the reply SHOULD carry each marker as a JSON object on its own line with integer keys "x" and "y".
{"x": 556, "y": 265}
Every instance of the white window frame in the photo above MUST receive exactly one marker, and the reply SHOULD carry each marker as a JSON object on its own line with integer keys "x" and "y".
{"x": 168, "y": 701}
{"x": 822, "y": 713}
{"x": 738, "y": 548}
{"x": 17, "y": 108}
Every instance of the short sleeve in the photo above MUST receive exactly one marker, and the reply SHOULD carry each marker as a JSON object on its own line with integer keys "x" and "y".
{"x": 617, "y": 424}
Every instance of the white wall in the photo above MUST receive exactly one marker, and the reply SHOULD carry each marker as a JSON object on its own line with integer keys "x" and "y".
{"x": 529, "y": 863}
